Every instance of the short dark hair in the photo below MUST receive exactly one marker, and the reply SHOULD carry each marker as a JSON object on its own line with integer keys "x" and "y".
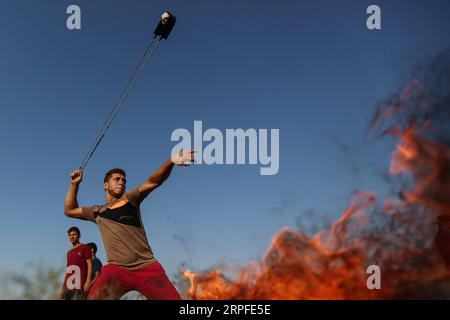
{"x": 93, "y": 246}
{"x": 74, "y": 229}
{"x": 112, "y": 171}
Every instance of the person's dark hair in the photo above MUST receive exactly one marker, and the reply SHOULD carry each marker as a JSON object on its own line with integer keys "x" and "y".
{"x": 93, "y": 246}
{"x": 112, "y": 171}
{"x": 74, "y": 229}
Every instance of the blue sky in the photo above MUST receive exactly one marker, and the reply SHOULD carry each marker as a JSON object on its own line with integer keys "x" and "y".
{"x": 309, "y": 68}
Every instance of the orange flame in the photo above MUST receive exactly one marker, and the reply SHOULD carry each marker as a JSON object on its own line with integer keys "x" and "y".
{"x": 332, "y": 264}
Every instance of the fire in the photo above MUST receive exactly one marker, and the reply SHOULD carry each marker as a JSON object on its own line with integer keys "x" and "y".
{"x": 397, "y": 236}
{"x": 330, "y": 265}
{"x": 405, "y": 153}
{"x": 427, "y": 162}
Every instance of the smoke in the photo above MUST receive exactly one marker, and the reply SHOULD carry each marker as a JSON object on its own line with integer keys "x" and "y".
{"x": 424, "y": 102}
{"x": 395, "y": 233}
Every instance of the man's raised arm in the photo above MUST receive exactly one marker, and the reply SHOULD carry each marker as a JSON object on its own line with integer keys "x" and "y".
{"x": 184, "y": 158}
{"x": 71, "y": 208}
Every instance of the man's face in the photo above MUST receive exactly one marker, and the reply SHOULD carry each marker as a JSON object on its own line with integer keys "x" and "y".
{"x": 116, "y": 185}
{"x": 74, "y": 237}
{"x": 93, "y": 253}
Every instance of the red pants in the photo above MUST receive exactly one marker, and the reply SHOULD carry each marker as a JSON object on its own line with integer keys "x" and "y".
{"x": 151, "y": 281}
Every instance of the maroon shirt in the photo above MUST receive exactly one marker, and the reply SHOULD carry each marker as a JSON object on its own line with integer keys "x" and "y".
{"x": 442, "y": 241}
{"x": 76, "y": 271}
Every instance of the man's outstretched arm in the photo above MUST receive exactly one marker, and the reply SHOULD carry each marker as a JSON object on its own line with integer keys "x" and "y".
{"x": 184, "y": 158}
{"x": 71, "y": 208}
